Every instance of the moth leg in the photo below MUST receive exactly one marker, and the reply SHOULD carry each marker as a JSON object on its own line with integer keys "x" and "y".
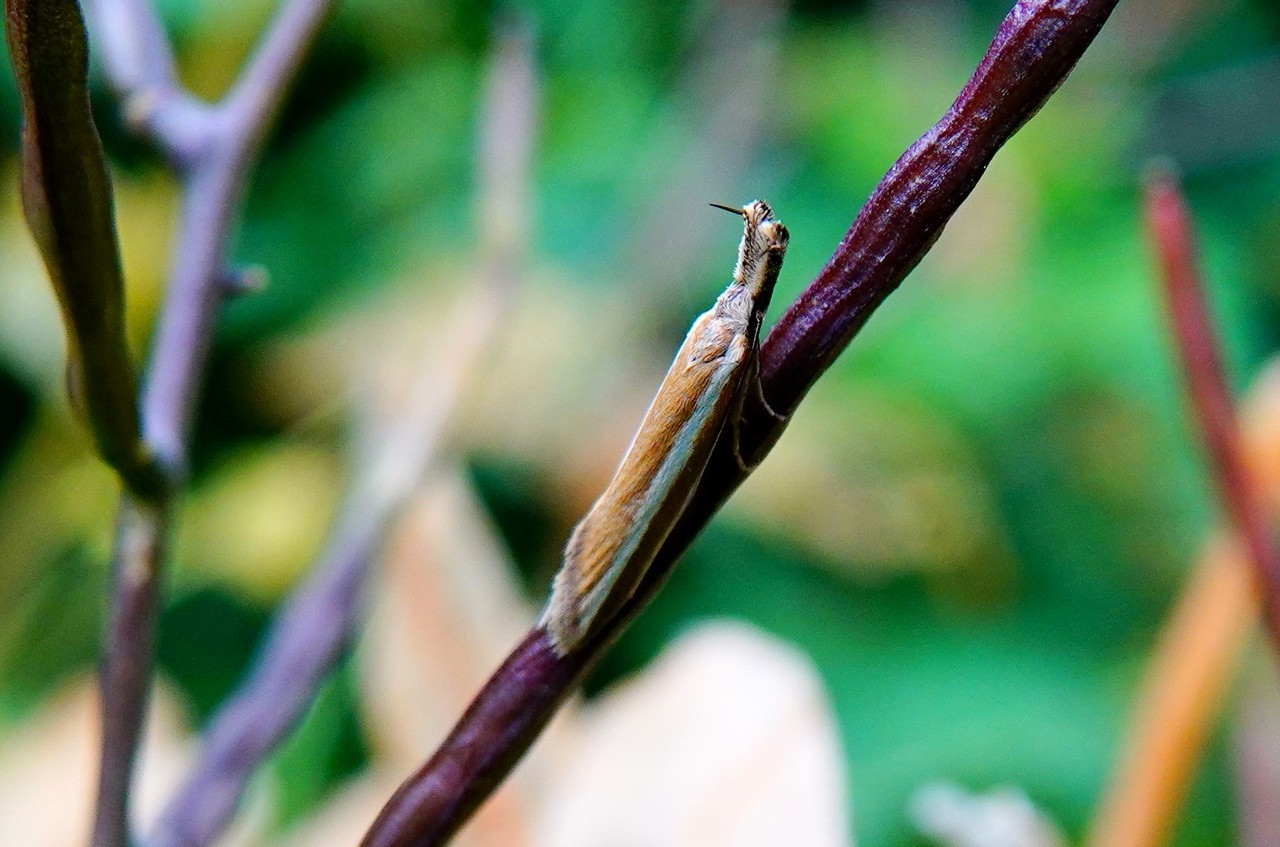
{"x": 737, "y": 445}
{"x": 753, "y": 377}
{"x": 734, "y": 433}
{"x": 751, "y": 382}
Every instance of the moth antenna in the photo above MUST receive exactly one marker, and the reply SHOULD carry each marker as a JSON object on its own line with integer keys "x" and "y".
{"x": 737, "y": 210}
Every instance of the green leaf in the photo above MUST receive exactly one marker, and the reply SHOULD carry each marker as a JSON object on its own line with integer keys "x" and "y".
{"x": 66, "y": 195}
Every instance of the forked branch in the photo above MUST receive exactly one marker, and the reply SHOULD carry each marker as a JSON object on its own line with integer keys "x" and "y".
{"x": 212, "y": 148}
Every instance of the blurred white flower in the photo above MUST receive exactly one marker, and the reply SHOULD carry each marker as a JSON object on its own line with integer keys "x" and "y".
{"x": 1003, "y": 817}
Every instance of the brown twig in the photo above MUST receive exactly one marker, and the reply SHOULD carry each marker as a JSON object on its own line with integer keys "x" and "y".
{"x": 1204, "y": 638}
{"x": 127, "y": 661}
{"x": 1206, "y": 634}
{"x": 1035, "y": 48}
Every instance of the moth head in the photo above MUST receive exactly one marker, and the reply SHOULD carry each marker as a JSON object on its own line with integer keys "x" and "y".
{"x": 764, "y": 242}
{"x": 763, "y": 228}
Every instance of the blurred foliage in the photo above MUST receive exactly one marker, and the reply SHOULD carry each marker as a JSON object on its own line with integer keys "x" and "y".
{"x": 974, "y": 524}
{"x": 326, "y": 748}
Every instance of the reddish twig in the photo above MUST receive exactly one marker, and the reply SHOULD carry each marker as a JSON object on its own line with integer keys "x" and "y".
{"x": 1035, "y": 48}
{"x": 1200, "y": 353}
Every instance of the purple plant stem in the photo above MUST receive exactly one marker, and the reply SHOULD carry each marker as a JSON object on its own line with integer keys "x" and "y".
{"x": 501, "y": 723}
{"x": 311, "y": 634}
{"x": 214, "y": 191}
{"x": 305, "y": 639}
{"x": 213, "y": 148}
{"x": 193, "y": 297}
{"x": 126, "y": 667}
{"x": 1199, "y": 350}
{"x": 1035, "y": 48}
{"x": 135, "y": 51}
{"x": 139, "y": 64}
{"x": 255, "y": 99}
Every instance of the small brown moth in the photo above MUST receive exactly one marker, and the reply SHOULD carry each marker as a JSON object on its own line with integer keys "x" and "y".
{"x": 700, "y": 398}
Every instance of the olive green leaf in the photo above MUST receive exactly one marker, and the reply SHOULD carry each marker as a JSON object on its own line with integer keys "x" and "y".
{"x": 66, "y": 195}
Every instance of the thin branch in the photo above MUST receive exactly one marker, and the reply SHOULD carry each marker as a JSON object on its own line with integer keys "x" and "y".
{"x": 509, "y": 112}
{"x": 214, "y": 151}
{"x": 315, "y": 627}
{"x": 127, "y": 663}
{"x": 1199, "y": 351}
{"x": 192, "y": 301}
{"x": 251, "y": 106}
{"x": 138, "y": 61}
{"x": 1035, "y": 48}
{"x": 1207, "y": 632}
{"x": 67, "y": 199}
{"x": 214, "y": 193}
{"x": 305, "y": 638}
{"x": 135, "y": 50}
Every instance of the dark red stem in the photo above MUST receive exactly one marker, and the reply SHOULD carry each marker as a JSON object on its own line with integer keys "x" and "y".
{"x": 1200, "y": 352}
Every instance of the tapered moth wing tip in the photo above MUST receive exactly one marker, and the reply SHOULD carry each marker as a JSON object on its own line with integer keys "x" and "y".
{"x": 572, "y": 604}
{"x": 562, "y": 618}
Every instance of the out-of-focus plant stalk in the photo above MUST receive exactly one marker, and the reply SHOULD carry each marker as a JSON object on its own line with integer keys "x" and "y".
{"x": 67, "y": 198}
{"x": 314, "y": 628}
{"x": 213, "y": 190}
{"x": 1187, "y": 680}
{"x": 1035, "y": 48}
{"x": 1257, "y": 763}
{"x": 139, "y": 63}
{"x": 1200, "y": 354}
{"x": 1203, "y": 640}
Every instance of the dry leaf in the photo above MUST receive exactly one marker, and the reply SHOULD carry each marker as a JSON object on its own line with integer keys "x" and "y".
{"x": 66, "y": 196}
{"x": 728, "y": 739}
{"x": 444, "y": 614}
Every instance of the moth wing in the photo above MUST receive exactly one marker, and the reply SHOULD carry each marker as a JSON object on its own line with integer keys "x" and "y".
{"x": 612, "y": 547}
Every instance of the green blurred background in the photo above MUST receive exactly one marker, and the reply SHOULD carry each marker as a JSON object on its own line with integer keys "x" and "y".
{"x": 979, "y": 516}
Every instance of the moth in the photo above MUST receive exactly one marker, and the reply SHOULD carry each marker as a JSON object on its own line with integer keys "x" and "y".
{"x": 699, "y": 401}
